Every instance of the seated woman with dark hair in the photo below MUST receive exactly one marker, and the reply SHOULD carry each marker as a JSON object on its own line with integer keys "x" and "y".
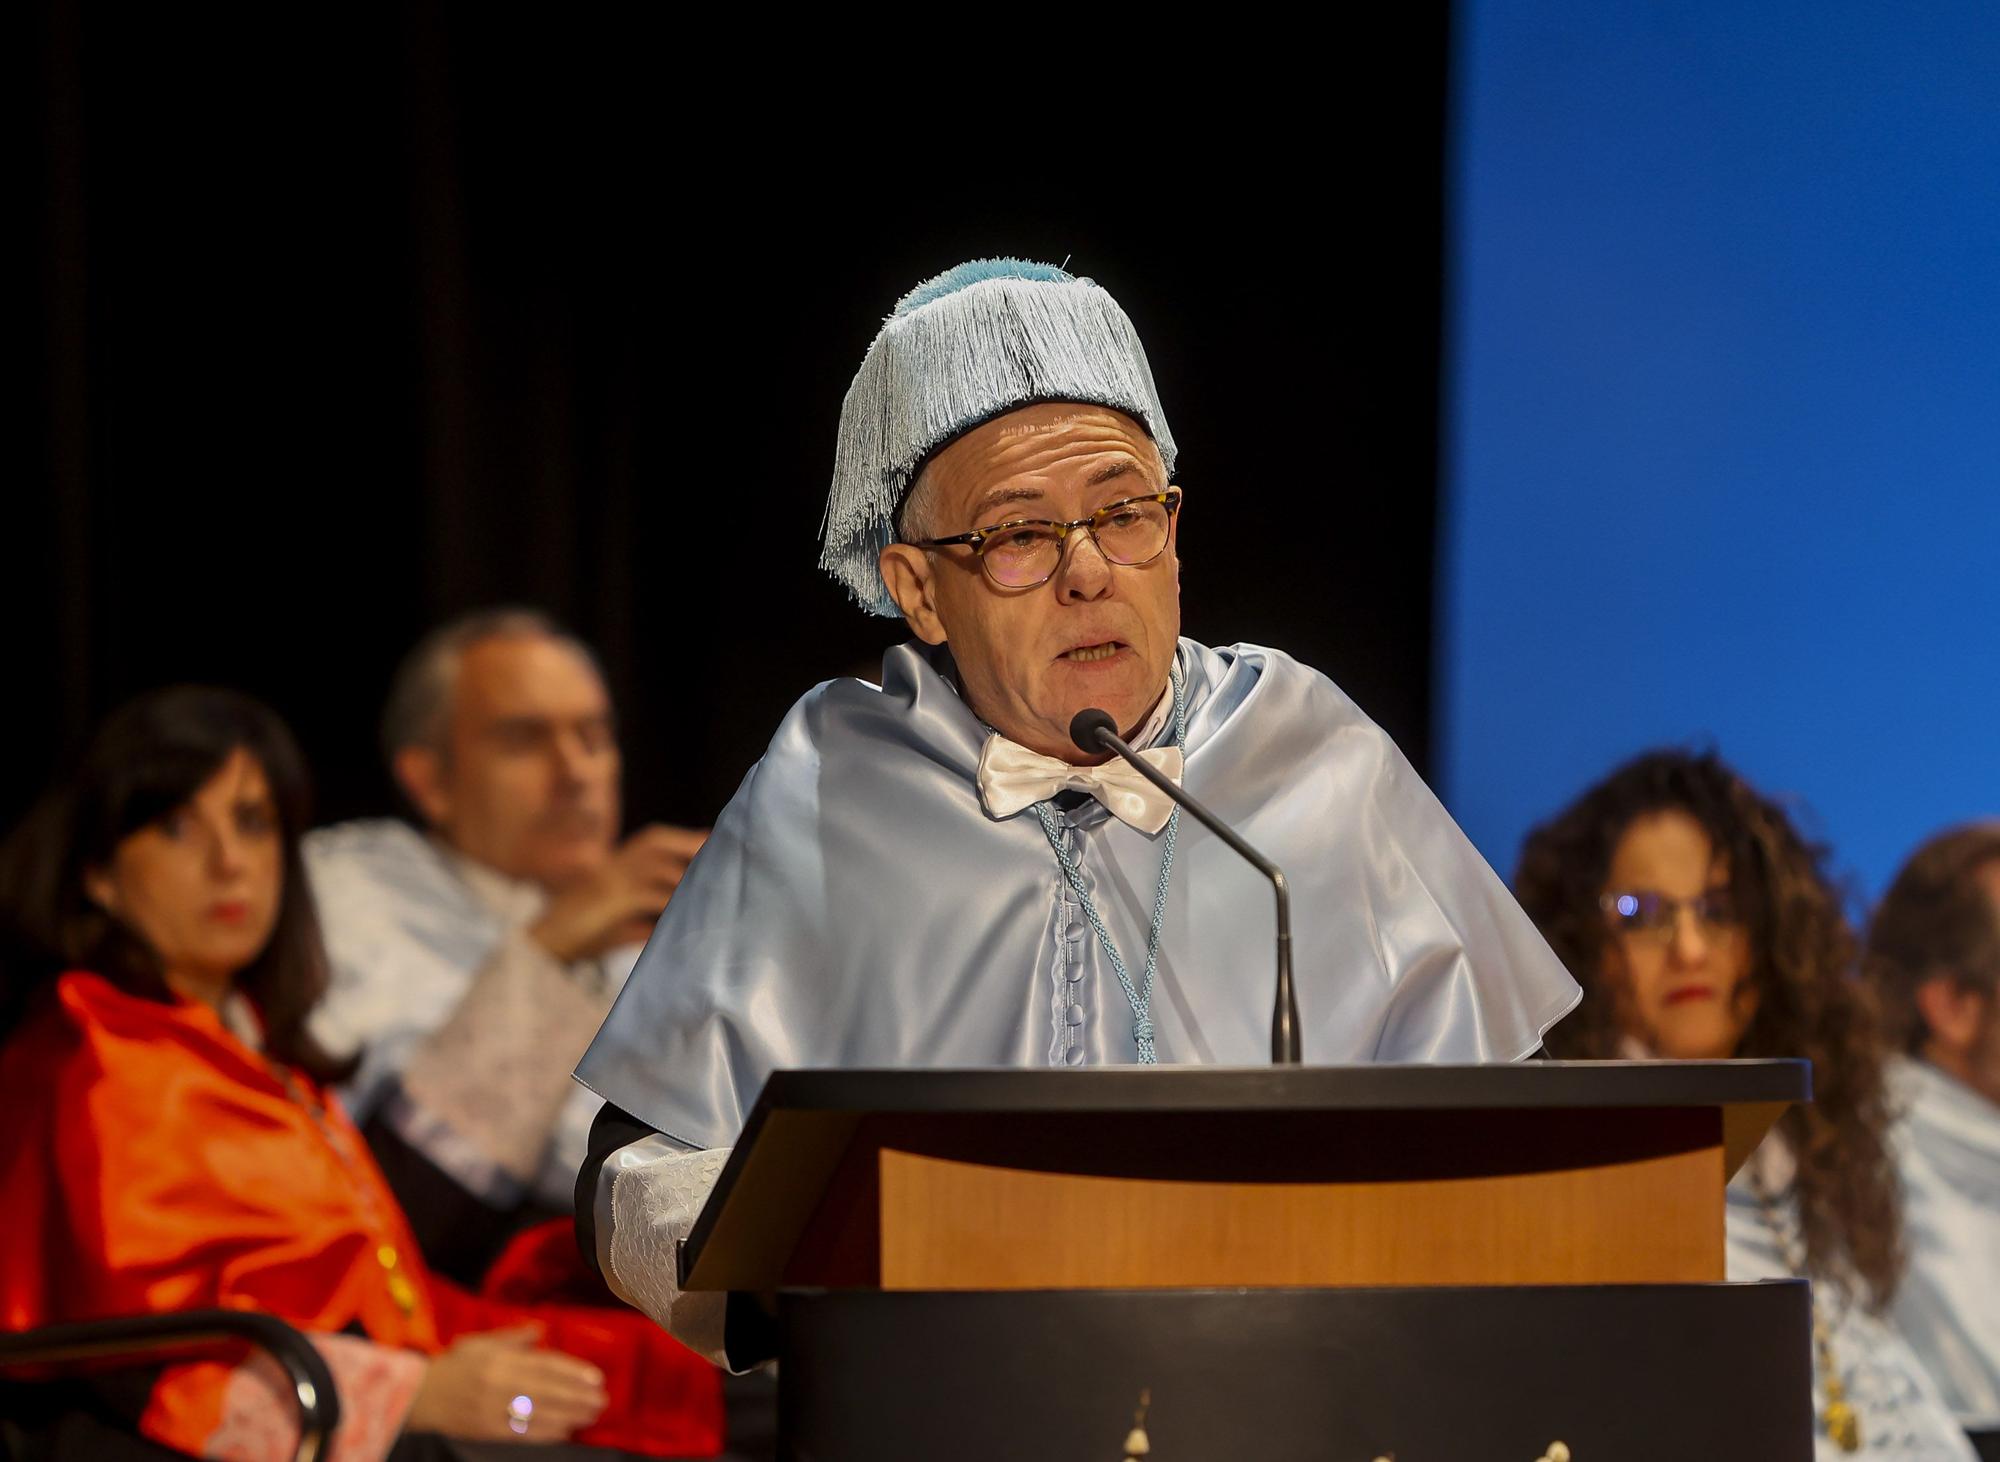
{"x": 169, "y": 1145}
{"x": 1701, "y": 927}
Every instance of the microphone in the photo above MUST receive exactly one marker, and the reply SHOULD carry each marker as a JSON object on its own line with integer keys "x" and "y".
{"x": 1094, "y": 731}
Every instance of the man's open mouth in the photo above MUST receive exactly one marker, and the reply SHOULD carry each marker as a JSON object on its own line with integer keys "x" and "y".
{"x": 1101, "y": 651}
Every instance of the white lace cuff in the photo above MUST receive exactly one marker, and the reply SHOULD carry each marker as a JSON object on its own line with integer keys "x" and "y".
{"x": 657, "y": 1190}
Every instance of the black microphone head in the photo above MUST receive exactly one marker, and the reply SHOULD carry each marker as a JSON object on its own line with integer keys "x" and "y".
{"x": 1086, "y": 726}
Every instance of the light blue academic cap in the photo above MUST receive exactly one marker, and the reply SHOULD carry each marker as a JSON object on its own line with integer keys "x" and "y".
{"x": 977, "y": 340}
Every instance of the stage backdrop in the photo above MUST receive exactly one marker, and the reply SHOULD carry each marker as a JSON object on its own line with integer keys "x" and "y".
{"x": 1722, "y": 451}
{"x": 341, "y": 328}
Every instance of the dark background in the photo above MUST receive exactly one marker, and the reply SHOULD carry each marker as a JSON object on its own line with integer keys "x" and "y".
{"x": 339, "y": 328}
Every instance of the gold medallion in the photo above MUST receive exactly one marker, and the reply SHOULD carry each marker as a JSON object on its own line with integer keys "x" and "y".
{"x": 1843, "y": 1426}
{"x": 401, "y": 1290}
{"x": 1843, "y": 1422}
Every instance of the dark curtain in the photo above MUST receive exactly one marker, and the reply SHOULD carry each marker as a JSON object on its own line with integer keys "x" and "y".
{"x": 342, "y": 323}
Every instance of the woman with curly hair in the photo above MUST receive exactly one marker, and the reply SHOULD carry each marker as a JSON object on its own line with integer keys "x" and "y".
{"x": 1702, "y": 926}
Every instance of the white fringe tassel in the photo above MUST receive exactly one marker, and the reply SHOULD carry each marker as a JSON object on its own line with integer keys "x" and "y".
{"x": 952, "y": 363}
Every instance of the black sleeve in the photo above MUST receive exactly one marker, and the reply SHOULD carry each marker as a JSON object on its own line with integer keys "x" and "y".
{"x": 613, "y": 1128}
{"x": 750, "y": 1332}
{"x": 460, "y": 1233}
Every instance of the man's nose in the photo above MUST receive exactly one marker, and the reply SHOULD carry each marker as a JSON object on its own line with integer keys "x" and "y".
{"x": 1084, "y": 573}
{"x": 573, "y": 756}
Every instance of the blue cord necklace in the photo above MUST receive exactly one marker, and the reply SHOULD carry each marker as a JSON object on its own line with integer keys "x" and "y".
{"x": 1141, "y": 997}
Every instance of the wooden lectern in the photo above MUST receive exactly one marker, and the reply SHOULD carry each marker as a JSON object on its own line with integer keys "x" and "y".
{"x": 1427, "y": 1262}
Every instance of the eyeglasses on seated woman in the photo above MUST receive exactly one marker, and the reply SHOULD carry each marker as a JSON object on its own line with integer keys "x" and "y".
{"x": 1703, "y": 926}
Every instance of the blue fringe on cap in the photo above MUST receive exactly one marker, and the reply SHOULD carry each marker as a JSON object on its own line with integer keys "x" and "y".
{"x": 972, "y": 272}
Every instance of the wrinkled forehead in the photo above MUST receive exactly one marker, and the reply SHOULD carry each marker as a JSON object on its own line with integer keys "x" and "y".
{"x": 1052, "y": 446}
{"x": 527, "y": 675}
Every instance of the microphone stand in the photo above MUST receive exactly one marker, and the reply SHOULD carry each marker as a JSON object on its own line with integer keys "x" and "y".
{"x": 1094, "y": 730}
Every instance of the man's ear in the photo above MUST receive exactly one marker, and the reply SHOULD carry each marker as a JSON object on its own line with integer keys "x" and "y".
{"x": 911, "y": 576}
{"x": 1951, "y": 1013}
{"x": 419, "y": 772}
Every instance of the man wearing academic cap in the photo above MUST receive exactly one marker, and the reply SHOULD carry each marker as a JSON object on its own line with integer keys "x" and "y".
{"x": 933, "y": 874}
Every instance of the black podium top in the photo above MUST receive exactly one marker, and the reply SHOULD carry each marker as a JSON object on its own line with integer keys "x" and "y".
{"x": 1249, "y": 1089}
{"x": 800, "y": 1115}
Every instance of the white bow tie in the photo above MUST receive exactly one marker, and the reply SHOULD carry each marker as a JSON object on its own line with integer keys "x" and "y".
{"x": 1012, "y": 777}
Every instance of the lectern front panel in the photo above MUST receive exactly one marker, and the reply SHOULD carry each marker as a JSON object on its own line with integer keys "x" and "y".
{"x": 953, "y": 1225}
{"x": 1545, "y": 1173}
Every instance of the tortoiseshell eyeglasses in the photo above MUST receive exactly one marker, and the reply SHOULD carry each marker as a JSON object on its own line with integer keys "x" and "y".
{"x": 1027, "y": 551}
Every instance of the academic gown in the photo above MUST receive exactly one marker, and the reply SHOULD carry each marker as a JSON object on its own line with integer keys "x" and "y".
{"x": 1947, "y": 1145}
{"x": 856, "y": 906}
{"x": 1903, "y": 1418}
{"x": 153, "y": 1160}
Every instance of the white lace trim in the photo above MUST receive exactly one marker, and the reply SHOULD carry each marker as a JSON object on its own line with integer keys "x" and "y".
{"x": 657, "y": 1192}
{"x": 497, "y": 1073}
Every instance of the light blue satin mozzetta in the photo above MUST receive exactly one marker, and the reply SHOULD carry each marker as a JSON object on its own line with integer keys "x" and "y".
{"x": 856, "y": 906}
{"x": 1947, "y": 1145}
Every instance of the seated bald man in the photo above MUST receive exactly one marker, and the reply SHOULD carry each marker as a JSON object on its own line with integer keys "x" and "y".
{"x": 473, "y": 958}
{"x": 930, "y": 873}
